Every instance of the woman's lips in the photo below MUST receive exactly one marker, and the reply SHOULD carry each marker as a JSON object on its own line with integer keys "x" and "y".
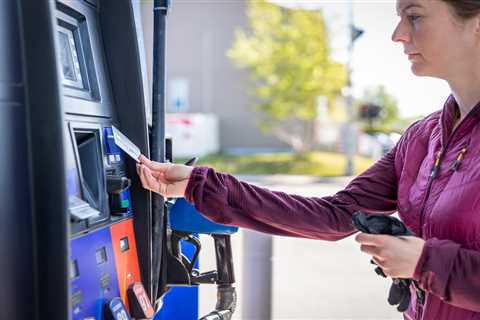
{"x": 413, "y": 56}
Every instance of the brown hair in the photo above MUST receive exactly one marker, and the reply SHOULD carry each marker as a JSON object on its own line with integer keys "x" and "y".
{"x": 465, "y": 9}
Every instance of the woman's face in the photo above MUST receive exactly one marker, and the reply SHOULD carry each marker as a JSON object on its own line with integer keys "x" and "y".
{"x": 438, "y": 43}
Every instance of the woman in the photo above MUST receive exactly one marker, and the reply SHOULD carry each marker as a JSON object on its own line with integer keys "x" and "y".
{"x": 431, "y": 177}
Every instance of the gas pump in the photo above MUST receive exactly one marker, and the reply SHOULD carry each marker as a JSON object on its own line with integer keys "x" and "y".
{"x": 81, "y": 236}
{"x": 124, "y": 254}
{"x": 110, "y": 269}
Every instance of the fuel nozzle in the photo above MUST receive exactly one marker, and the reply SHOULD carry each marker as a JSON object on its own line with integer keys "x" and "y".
{"x": 184, "y": 225}
{"x": 182, "y": 272}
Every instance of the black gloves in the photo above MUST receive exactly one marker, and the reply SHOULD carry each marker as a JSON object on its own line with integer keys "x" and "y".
{"x": 380, "y": 224}
{"x": 399, "y": 294}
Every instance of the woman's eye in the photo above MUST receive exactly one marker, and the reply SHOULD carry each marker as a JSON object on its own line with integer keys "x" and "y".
{"x": 413, "y": 18}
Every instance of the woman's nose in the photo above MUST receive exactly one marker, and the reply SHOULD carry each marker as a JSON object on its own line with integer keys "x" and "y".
{"x": 401, "y": 33}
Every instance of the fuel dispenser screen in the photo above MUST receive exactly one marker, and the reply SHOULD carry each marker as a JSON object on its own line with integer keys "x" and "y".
{"x": 68, "y": 67}
{"x": 69, "y": 59}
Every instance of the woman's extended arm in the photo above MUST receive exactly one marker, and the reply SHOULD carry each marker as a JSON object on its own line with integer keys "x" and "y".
{"x": 224, "y": 199}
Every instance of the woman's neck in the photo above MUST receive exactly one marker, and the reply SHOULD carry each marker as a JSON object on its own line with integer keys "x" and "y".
{"x": 466, "y": 94}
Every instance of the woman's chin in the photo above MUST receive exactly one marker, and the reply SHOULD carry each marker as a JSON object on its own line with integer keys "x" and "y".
{"x": 419, "y": 71}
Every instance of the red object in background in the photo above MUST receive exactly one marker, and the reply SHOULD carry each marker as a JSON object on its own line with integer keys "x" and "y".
{"x": 126, "y": 259}
{"x": 370, "y": 111}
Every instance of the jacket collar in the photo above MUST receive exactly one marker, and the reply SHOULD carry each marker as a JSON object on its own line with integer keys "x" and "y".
{"x": 447, "y": 119}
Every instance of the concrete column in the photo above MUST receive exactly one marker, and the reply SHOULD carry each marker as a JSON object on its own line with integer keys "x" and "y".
{"x": 257, "y": 276}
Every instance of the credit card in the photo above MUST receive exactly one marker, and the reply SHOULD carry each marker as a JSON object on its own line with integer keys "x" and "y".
{"x": 125, "y": 144}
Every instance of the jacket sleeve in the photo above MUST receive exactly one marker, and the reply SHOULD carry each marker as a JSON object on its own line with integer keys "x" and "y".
{"x": 226, "y": 200}
{"x": 450, "y": 272}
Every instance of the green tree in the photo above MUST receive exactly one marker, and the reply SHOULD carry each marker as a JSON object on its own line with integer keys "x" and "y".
{"x": 389, "y": 118}
{"x": 287, "y": 55}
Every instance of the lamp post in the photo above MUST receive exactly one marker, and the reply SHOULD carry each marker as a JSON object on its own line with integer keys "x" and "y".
{"x": 354, "y": 34}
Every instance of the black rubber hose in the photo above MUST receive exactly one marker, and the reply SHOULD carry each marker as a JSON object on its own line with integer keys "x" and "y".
{"x": 160, "y": 10}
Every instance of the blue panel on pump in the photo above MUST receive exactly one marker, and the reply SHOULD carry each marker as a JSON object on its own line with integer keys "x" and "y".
{"x": 184, "y": 217}
{"x": 181, "y": 303}
{"x": 111, "y": 147}
{"x": 120, "y": 203}
{"x": 92, "y": 274}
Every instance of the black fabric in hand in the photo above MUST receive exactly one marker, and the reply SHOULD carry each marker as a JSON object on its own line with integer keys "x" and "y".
{"x": 399, "y": 294}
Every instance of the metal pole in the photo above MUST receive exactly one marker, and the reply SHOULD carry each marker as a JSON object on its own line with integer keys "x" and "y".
{"x": 350, "y": 136}
{"x": 257, "y": 275}
{"x": 160, "y": 10}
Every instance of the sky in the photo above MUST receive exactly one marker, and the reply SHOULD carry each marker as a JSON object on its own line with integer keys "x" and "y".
{"x": 377, "y": 60}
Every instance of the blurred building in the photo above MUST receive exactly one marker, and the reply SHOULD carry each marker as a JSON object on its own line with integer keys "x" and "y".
{"x": 201, "y": 78}
{"x": 209, "y": 107}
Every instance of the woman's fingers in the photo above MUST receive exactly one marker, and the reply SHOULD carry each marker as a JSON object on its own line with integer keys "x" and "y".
{"x": 142, "y": 177}
{"x": 151, "y": 181}
{"x": 373, "y": 239}
{"x": 157, "y": 181}
{"x": 380, "y": 262}
{"x": 160, "y": 176}
{"x": 148, "y": 180}
{"x": 153, "y": 165}
{"x": 375, "y": 245}
{"x": 371, "y": 250}
{"x": 158, "y": 185}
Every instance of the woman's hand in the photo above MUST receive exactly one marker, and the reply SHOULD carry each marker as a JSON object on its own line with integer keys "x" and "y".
{"x": 166, "y": 179}
{"x": 397, "y": 256}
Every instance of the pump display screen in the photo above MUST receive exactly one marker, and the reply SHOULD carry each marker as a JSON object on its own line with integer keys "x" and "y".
{"x": 66, "y": 57}
{"x": 69, "y": 59}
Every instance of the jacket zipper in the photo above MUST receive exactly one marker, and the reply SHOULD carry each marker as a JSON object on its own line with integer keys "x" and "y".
{"x": 433, "y": 175}
{"x": 436, "y": 168}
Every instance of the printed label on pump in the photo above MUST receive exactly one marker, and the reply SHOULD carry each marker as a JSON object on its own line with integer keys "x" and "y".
{"x": 117, "y": 310}
{"x": 81, "y": 210}
{"x": 125, "y": 144}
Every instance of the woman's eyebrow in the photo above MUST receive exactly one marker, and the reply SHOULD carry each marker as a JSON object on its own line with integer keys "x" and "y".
{"x": 412, "y": 5}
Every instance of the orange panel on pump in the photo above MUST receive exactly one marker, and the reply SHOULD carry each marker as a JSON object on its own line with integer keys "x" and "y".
{"x": 126, "y": 259}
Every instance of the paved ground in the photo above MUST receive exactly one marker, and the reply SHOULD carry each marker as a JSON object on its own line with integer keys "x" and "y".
{"x": 308, "y": 279}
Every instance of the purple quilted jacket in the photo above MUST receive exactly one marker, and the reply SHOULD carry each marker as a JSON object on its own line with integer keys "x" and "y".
{"x": 431, "y": 177}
